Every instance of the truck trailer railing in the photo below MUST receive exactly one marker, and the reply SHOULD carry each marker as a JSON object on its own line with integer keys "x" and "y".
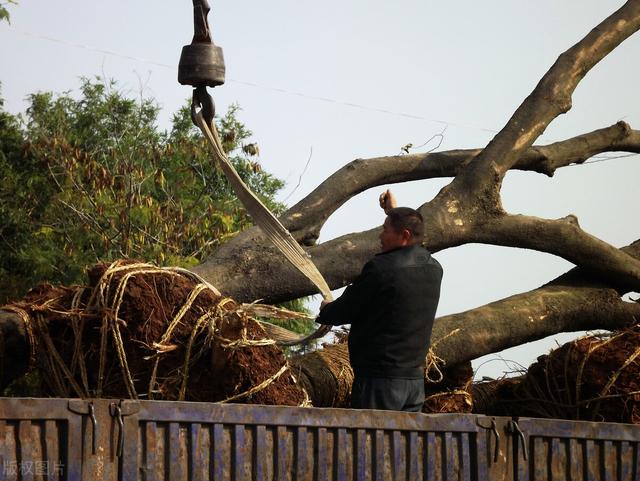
{"x": 101, "y": 439}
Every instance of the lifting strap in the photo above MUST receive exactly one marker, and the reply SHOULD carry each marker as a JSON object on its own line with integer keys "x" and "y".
{"x": 273, "y": 230}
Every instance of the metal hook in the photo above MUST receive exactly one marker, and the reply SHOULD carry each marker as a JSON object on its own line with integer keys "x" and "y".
{"x": 201, "y": 99}
{"x": 513, "y": 428}
{"x": 116, "y": 411}
{"x": 494, "y": 430}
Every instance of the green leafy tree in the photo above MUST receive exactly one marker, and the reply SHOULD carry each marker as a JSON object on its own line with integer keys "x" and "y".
{"x": 4, "y": 13}
{"x": 93, "y": 179}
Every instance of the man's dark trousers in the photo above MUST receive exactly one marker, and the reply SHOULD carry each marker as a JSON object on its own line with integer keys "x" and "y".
{"x": 387, "y": 393}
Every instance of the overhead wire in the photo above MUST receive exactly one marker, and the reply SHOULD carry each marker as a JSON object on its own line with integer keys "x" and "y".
{"x": 602, "y": 158}
{"x": 257, "y": 85}
{"x": 290, "y": 92}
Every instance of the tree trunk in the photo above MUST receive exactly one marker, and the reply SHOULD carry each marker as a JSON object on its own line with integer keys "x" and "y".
{"x": 249, "y": 268}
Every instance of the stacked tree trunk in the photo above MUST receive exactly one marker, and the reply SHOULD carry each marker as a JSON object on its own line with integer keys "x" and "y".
{"x": 139, "y": 331}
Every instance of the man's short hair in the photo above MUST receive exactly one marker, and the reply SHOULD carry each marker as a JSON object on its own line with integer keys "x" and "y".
{"x": 402, "y": 218}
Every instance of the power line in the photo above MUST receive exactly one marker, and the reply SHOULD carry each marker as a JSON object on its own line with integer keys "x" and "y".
{"x": 602, "y": 158}
{"x": 256, "y": 85}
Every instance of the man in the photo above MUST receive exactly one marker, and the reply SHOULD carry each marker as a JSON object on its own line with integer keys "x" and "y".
{"x": 390, "y": 306}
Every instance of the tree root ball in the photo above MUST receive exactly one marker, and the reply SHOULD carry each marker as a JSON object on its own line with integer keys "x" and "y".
{"x": 139, "y": 331}
{"x": 496, "y": 397}
{"x": 595, "y": 378}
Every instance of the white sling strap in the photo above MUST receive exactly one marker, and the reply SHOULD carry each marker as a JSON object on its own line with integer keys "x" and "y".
{"x": 271, "y": 227}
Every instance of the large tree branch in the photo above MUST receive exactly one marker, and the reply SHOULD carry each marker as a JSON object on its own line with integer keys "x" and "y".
{"x": 341, "y": 259}
{"x": 575, "y": 301}
{"x": 473, "y": 198}
{"x": 248, "y": 268}
{"x": 546, "y": 159}
{"x": 528, "y": 317}
{"x": 306, "y": 218}
{"x": 565, "y": 238}
{"x": 550, "y": 98}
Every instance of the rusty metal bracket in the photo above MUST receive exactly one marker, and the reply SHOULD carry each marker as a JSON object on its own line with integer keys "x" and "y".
{"x": 116, "y": 411}
{"x": 94, "y": 425}
{"x": 86, "y": 408}
{"x": 514, "y": 428}
{"x": 493, "y": 428}
{"x": 119, "y": 411}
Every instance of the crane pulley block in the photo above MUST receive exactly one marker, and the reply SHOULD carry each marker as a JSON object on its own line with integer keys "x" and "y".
{"x": 201, "y": 62}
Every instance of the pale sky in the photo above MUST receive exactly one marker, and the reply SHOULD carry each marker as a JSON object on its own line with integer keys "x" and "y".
{"x": 362, "y": 79}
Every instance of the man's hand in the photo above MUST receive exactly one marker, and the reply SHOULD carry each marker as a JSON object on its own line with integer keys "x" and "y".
{"x": 387, "y": 201}
{"x": 324, "y": 303}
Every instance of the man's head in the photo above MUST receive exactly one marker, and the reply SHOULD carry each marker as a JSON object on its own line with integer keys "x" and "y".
{"x": 402, "y": 227}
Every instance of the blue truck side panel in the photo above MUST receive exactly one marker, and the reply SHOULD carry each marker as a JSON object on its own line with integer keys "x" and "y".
{"x": 72, "y": 439}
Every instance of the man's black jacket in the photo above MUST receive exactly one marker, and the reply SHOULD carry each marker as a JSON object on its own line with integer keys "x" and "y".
{"x": 391, "y": 307}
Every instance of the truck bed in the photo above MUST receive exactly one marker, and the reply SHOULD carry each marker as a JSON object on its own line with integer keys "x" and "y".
{"x": 74, "y": 439}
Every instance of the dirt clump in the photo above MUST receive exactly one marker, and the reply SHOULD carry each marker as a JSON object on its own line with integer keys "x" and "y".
{"x": 248, "y": 361}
